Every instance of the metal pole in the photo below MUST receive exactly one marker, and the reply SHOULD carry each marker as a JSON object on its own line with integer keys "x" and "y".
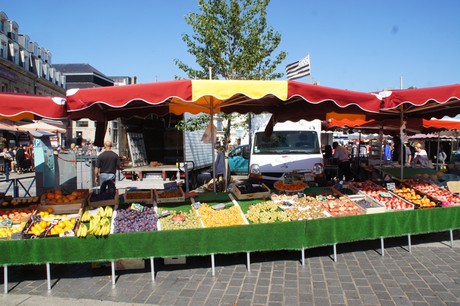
{"x": 5, "y": 279}
{"x": 248, "y": 259}
{"x": 112, "y": 265}
{"x": 152, "y": 268}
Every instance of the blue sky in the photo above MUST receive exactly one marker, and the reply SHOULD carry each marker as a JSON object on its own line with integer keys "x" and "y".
{"x": 356, "y": 45}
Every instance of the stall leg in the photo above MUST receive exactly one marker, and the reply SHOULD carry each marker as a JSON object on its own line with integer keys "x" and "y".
{"x": 334, "y": 247}
{"x": 302, "y": 253}
{"x": 5, "y": 279}
{"x": 451, "y": 238}
{"x": 48, "y": 276}
{"x": 248, "y": 260}
{"x": 112, "y": 264}
{"x": 382, "y": 246}
{"x": 213, "y": 267}
{"x": 409, "y": 243}
{"x": 152, "y": 268}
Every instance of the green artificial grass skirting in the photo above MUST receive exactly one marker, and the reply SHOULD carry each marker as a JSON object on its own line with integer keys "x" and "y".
{"x": 293, "y": 235}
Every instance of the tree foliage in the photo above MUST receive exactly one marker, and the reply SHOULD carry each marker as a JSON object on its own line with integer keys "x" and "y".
{"x": 233, "y": 38}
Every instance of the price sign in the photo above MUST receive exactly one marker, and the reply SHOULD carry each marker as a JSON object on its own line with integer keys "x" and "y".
{"x": 137, "y": 207}
{"x": 391, "y": 186}
{"x": 170, "y": 186}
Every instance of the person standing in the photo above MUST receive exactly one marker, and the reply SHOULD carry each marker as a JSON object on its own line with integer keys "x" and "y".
{"x": 341, "y": 155}
{"x": 420, "y": 157}
{"x": 107, "y": 164}
{"x": 20, "y": 159}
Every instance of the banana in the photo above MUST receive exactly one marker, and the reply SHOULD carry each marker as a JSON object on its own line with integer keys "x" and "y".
{"x": 108, "y": 211}
{"x": 84, "y": 230}
{"x": 101, "y": 211}
{"x": 86, "y": 216}
{"x": 93, "y": 224}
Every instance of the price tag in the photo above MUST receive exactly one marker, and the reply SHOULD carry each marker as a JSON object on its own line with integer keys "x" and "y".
{"x": 288, "y": 180}
{"x": 391, "y": 186}
{"x": 170, "y": 186}
{"x": 6, "y": 222}
{"x": 137, "y": 207}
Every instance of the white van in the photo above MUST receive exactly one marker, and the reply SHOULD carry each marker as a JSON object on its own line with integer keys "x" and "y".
{"x": 293, "y": 146}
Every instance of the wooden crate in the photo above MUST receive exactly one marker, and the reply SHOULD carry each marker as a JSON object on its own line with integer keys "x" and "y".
{"x": 376, "y": 206}
{"x": 256, "y": 195}
{"x": 160, "y": 199}
{"x": 139, "y": 196}
{"x": 112, "y": 202}
{"x": 65, "y": 208}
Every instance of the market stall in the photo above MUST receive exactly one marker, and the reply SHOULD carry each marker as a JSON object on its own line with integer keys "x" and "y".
{"x": 295, "y": 234}
{"x": 242, "y": 238}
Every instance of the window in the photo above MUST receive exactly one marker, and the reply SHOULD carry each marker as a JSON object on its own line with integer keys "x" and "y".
{"x": 82, "y": 123}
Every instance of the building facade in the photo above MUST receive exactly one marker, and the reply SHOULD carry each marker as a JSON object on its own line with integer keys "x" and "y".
{"x": 25, "y": 67}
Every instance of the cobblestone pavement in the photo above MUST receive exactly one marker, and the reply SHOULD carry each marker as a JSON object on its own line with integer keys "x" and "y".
{"x": 428, "y": 275}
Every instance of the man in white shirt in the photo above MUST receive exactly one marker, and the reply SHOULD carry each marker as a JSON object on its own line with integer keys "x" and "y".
{"x": 341, "y": 156}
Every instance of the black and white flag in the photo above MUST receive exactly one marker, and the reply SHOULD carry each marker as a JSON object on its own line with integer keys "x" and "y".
{"x": 298, "y": 69}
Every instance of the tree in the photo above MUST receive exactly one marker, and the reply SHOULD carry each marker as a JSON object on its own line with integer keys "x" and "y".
{"x": 233, "y": 38}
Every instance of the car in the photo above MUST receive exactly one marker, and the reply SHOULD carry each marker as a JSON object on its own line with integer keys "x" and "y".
{"x": 238, "y": 159}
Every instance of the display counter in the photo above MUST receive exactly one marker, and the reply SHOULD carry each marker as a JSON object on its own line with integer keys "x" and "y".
{"x": 294, "y": 235}
{"x": 408, "y": 172}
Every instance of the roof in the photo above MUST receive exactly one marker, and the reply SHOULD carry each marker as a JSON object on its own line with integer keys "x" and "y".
{"x": 77, "y": 68}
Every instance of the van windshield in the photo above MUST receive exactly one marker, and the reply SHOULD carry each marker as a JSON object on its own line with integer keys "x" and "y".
{"x": 287, "y": 142}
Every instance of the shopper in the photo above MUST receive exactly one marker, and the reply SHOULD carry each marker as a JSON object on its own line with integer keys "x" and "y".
{"x": 107, "y": 164}
{"x": 20, "y": 159}
{"x": 341, "y": 156}
{"x": 7, "y": 159}
{"x": 420, "y": 157}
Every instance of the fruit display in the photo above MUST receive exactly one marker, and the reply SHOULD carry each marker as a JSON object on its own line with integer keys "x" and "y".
{"x": 62, "y": 226}
{"x": 382, "y": 196}
{"x": 54, "y": 197}
{"x": 179, "y": 220}
{"x": 446, "y": 197}
{"x": 266, "y": 212}
{"x": 132, "y": 220}
{"x": 342, "y": 207}
{"x": 296, "y": 186}
{"x": 6, "y": 232}
{"x": 99, "y": 222}
{"x": 414, "y": 196}
{"x": 16, "y": 215}
{"x": 224, "y": 217}
{"x": 37, "y": 229}
{"x": 9, "y": 201}
{"x": 43, "y": 223}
